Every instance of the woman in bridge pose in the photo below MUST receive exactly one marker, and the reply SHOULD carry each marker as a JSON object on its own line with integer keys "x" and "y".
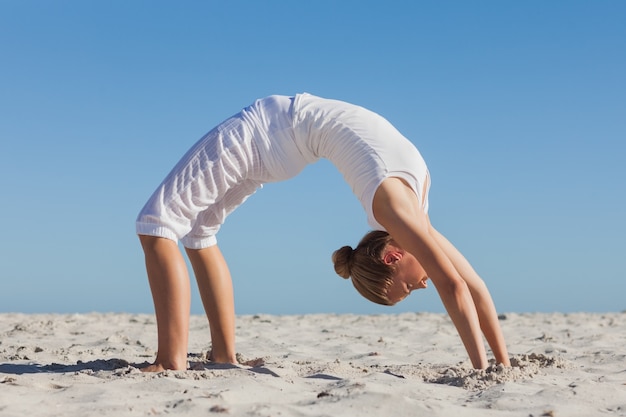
{"x": 272, "y": 140}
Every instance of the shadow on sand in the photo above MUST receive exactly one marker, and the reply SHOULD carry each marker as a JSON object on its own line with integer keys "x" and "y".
{"x": 111, "y": 365}
{"x": 97, "y": 365}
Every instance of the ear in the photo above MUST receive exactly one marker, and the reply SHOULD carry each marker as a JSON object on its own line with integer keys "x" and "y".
{"x": 392, "y": 256}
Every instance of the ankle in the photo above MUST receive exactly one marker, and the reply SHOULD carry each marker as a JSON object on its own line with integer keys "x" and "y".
{"x": 222, "y": 357}
{"x": 171, "y": 364}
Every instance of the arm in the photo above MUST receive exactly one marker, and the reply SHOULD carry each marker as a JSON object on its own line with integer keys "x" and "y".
{"x": 482, "y": 299}
{"x": 397, "y": 208}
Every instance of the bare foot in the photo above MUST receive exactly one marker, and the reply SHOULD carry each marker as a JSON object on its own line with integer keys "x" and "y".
{"x": 153, "y": 368}
{"x": 157, "y": 367}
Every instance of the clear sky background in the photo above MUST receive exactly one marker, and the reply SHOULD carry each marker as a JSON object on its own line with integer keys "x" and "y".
{"x": 519, "y": 109}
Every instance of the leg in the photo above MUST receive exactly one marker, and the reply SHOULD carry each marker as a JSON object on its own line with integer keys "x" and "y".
{"x": 216, "y": 291}
{"x": 169, "y": 283}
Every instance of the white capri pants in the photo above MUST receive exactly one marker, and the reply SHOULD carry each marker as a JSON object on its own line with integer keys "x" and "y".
{"x": 211, "y": 180}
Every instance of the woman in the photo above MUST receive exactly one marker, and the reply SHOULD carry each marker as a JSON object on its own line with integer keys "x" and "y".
{"x": 273, "y": 140}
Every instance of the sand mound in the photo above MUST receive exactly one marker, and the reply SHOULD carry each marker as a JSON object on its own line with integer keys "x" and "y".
{"x": 522, "y": 368}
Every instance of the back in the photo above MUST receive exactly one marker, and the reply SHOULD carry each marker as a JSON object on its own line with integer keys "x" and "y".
{"x": 363, "y": 146}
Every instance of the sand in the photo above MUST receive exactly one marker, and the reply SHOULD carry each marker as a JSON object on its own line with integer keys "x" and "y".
{"x": 313, "y": 365}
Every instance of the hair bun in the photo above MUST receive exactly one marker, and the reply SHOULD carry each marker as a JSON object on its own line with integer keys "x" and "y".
{"x": 342, "y": 259}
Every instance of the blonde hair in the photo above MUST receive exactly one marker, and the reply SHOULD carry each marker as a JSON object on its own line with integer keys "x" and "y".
{"x": 370, "y": 275}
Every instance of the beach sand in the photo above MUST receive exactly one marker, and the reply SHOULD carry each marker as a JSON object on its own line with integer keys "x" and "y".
{"x": 313, "y": 365}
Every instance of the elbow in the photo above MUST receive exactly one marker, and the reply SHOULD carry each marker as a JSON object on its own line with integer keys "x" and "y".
{"x": 456, "y": 288}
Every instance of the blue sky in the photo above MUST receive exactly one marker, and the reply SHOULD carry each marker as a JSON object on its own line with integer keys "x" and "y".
{"x": 519, "y": 109}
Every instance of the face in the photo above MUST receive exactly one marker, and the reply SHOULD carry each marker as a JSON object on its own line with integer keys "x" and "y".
{"x": 409, "y": 276}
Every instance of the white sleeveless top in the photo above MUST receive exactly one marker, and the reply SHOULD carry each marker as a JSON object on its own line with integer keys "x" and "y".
{"x": 296, "y": 131}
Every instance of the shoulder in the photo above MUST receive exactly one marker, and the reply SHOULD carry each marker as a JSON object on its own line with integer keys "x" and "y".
{"x": 395, "y": 199}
